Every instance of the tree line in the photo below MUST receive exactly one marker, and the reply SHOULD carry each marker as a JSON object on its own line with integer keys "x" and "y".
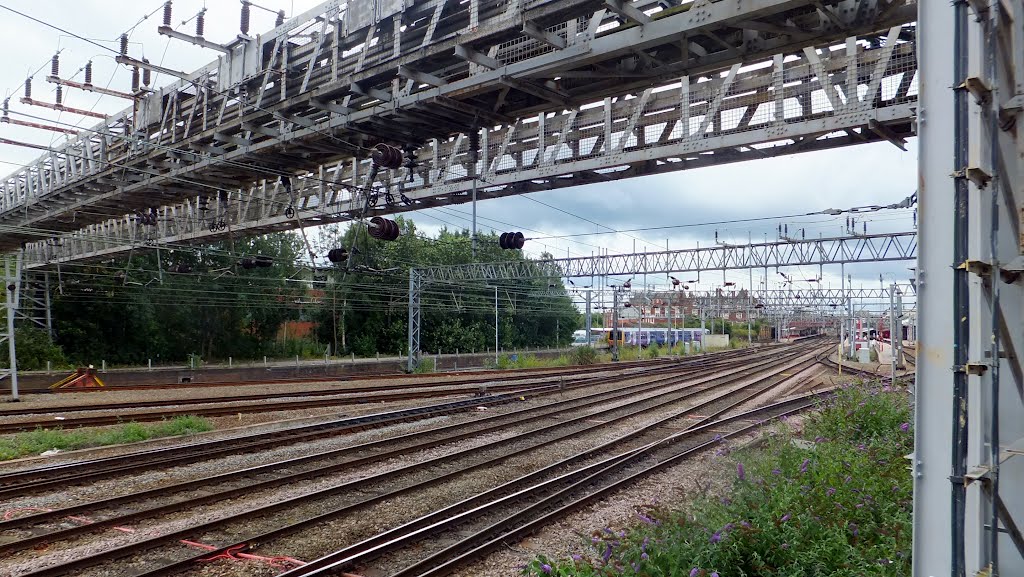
{"x": 232, "y": 298}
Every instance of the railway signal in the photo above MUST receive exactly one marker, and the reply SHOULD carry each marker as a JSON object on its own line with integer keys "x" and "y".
{"x": 511, "y": 240}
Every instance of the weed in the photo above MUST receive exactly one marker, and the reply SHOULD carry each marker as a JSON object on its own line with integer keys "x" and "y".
{"x": 583, "y": 356}
{"x": 426, "y": 365}
{"x": 41, "y": 440}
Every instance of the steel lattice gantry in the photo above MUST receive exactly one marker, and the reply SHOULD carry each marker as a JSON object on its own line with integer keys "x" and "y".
{"x": 789, "y": 252}
{"x": 556, "y": 92}
{"x": 969, "y": 439}
{"x": 813, "y": 251}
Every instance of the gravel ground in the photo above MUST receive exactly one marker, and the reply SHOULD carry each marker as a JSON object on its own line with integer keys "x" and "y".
{"x": 706, "y": 474}
{"x": 327, "y": 536}
{"x": 99, "y": 398}
{"x": 229, "y": 426}
{"x": 107, "y": 539}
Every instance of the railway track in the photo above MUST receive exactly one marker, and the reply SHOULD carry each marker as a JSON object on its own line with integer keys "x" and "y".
{"x": 286, "y": 400}
{"x": 41, "y": 478}
{"x": 469, "y": 377}
{"x": 512, "y": 511}
{"x": 385, "y": 484}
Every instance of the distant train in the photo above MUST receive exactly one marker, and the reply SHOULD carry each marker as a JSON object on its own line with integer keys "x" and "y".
{"x": 603, "y": 337}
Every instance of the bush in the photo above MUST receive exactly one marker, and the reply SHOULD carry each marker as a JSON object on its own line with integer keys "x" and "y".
{"x": 653, "y": 352}
{"x": 841, "y": 508}
{"x": 34, "y": 350}
{"x": 583, "y": 356}
{"x": 426, "y": 365}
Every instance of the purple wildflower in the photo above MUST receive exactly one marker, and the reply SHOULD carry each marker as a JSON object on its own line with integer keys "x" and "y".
{"x": 745, "y": 524}
{"x": 726, "y": 501}
{"x": 847, "y": 479}
{"x": 545, "y": 568}
{"x": 854, "y": 529}
{"x": 717, "y": 438}
{"x": 804, "y": 465}
{"x": 577, "y": 557}
{"x": 716, "y": 537}
{"x": 785, "y": 545}
{"x": 728, "y": 527}
{"x": 819, "y": 439}
{"x": 786, "y": 517}
{"x": 646, "y": 519}
{"x": 645, "y": 556}
{"x": 607, "y": 554}
{"x": 714, "y": 574}
{"x": 831, "y": 491}
{"x": 776, "y": 471}
{"x": 694, "y": 572}
{"x": 905, "y": 427}
{"x": 740, "y": 472}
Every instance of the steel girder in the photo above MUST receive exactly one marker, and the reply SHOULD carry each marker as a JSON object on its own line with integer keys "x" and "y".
{"x": 619, "y": 99}
{"x": 835, "y": 250}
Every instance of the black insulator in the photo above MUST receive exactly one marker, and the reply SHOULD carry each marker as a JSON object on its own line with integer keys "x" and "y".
{"x": 167, "y": 13}
{"x": 135, "y": 79}
{"x": 88, "y": 73}
{"x": 511, "y": 240}
{"x": 124, "y": 45}
{"x": 200, "y": 22}
{"x": 337, "y": 255}
{"x": 28, "y": 88}
{"x": 245, "y": 17}
{"x": 146, "y": 74}
{"x": 60, "y": 95}
{"x": 280, "y": 18}
{"x": 386, "y": 156}
{"x": 383, "y": 229}
{"x": 55, "y": 65}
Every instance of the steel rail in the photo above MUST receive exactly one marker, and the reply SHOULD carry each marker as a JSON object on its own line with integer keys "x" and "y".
{"x": 445, "y": 435}
{"x": 368, "y": 482}
{"x": 511, "y": 493}
{"x": 48, "y": 476}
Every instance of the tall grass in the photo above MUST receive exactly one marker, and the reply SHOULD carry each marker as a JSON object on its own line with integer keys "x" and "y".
{"x": 41, "y": 440}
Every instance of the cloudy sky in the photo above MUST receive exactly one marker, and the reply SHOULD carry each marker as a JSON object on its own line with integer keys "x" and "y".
{"x": 859, "y": 176}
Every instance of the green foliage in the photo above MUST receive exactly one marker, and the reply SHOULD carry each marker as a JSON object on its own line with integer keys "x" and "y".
{"x": 583, "y": 356}
{"x": 653, "y": 352}
{"x": 127, "y": 311}
{"x": 841, "y": 508}
{"x": 40, "y": 440}
{"x": 425, "y": 366}
{"x": 365, "y": 309}
{"x": 527, "y": 361}
{"x": 34, "y": 350}
{"x": 125, "y": 314}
